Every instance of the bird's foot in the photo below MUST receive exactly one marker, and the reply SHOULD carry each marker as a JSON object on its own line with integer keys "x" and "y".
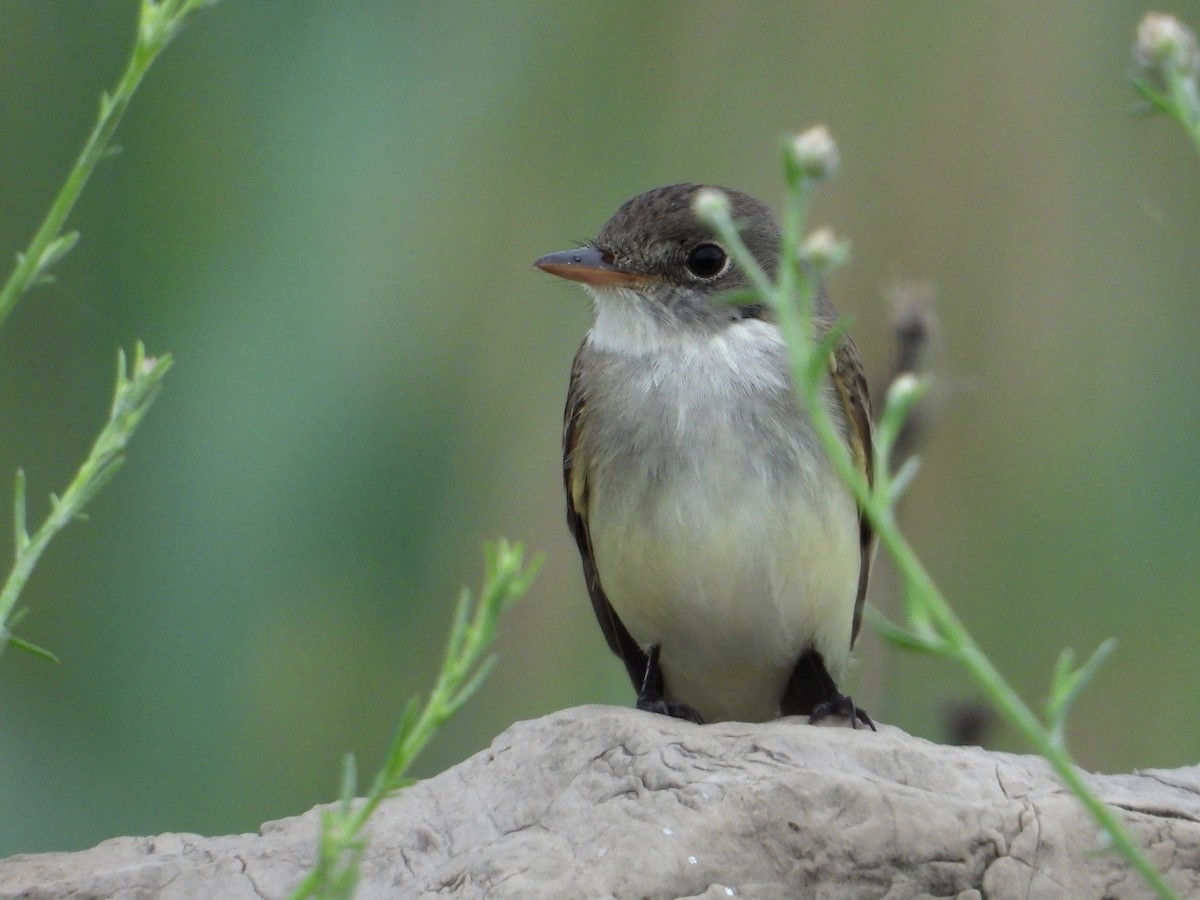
{"x": 670, "y": 708}
{"x": 650, "y": 698}
{"x": 841, "y": 705}
{"x": 655, "y": 703}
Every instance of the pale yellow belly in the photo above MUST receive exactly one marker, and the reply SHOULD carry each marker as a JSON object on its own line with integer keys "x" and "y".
{"x": 733, "y": 586}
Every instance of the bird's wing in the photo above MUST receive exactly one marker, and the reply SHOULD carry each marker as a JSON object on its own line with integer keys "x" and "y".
{"x": 575, "y": 481}
{"x": 851, "y": 384}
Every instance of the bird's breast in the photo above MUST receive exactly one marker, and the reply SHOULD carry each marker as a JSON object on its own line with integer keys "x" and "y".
{"x": 719, "y": 529}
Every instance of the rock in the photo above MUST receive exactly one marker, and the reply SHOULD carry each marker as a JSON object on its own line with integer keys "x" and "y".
{"x": 606, "y": 802}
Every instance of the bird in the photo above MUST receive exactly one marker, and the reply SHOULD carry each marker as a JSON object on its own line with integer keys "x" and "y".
{"x": 726, "y": 561}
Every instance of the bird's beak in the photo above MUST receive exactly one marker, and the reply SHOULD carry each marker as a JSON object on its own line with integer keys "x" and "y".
{"x": 591, "y": 266}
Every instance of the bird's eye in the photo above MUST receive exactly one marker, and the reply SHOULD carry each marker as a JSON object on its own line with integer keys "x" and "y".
{"x": 706, "y": 261}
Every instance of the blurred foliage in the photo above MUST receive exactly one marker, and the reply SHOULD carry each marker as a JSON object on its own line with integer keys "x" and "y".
{"x": 327, "y": 213}
{"x": 465, "y": 666}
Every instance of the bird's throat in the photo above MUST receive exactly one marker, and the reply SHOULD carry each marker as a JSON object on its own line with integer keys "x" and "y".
{"x": 627, "y": 323}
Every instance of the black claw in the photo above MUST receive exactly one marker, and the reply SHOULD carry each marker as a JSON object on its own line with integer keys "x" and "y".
{"x": 841, "y": 705}
{"x": 650, "y": 698}
{"x": 811, "y": 689}
{"x": 656, "y": 704}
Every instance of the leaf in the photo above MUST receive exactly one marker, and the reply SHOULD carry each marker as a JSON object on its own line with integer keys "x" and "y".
{"x": 837, "y": 333}
{"x": 1067, "y": 682}
{"x": 396, "y": 761}
{"x": 455, "y": 703}
{"x": 56, "y": 250}
{"x": 32, "y": 649}
{"x": 738, "y": 298}
{"x": 902, "y": 637}
{"x": 21, "y": 534}
{"x": 1156, "y": 98}
{"x": 904, "y": 476}
{"x": 349, "y": 782}
{"x": 903, "y": 394}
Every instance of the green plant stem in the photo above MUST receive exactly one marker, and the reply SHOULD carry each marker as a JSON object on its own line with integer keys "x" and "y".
{"x": 464, "y": 667}
{"x": 1179, "y": 101}
{"x": 1186, "y": 106}
{"x": 135, "y": 391}
{"x": 1166, "y": 68}
{"x": 935, "y": 627}
{"x": 961, "y": 646}
{"x": 158, "y": 22}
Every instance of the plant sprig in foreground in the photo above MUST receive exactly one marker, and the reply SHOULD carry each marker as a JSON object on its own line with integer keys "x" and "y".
{"x": 930, "y": 624}
{"x": 158, "y": 22}
{"x": 466, "y": 664}
{"x": 1166, "y": 66}
{"x": 137, "y": 387}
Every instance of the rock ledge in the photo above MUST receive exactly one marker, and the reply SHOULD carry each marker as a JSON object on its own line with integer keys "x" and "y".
{"x": 608, "y": 802}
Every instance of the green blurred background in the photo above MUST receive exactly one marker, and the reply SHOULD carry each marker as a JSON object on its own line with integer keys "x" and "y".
{"x": 328, "y": 211}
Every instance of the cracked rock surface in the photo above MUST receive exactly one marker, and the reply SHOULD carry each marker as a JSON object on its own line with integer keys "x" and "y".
{"x": 599, "y": 802}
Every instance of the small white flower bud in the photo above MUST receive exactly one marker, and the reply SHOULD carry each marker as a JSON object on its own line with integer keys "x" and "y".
{"x": 815, "y": 153}
{"x": 1164, "y": 42}
{"x": 905, "y": 388}
{"x": 823, "y": 251}
{"x": 710, "y": 204}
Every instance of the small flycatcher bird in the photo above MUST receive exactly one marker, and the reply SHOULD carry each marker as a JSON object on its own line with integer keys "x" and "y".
{"x": 726, "y": 561}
